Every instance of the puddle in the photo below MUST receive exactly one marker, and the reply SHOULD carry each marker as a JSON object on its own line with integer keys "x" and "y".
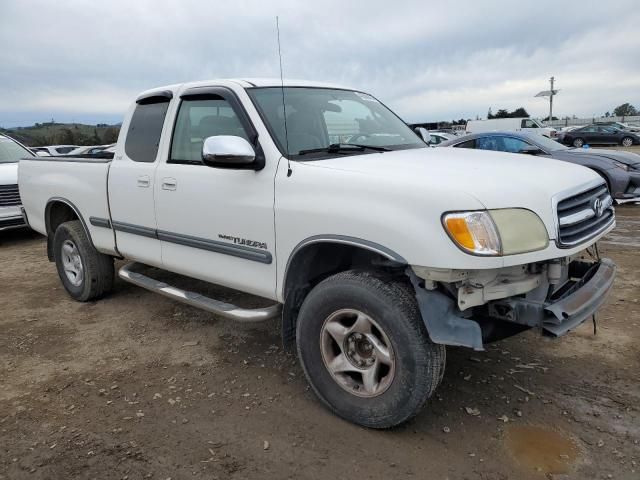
{"x": 541, "y": 450}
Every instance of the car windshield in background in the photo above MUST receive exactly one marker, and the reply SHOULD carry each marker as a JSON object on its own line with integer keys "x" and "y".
{"x": 324, "y": 122}
{"x": 11, "y": 152}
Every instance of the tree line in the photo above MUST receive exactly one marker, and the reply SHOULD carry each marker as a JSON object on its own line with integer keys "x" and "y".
{"x": 52, "y": 133}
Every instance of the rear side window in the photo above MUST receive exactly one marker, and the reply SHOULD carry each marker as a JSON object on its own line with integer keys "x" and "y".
{"x": 143, "y": 136}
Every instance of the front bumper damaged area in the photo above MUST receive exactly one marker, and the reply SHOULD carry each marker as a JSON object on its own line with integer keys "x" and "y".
{"x": 471, "y": 308}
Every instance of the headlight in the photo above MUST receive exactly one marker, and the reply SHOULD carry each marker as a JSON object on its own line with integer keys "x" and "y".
{"x": 497, "y": 232}
{"x": 621, "y": 166}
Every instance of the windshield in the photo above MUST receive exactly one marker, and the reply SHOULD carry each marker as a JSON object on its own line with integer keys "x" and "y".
{"x": 319, "y": 119}
{"x": 11, "y": 152}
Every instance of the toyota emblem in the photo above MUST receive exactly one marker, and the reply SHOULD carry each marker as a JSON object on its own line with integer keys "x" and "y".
{"x": 598, "y": 207}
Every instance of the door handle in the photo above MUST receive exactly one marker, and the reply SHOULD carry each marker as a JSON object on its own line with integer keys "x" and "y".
{"x": 169, "y": 183}
{"x": 144, "y": 181}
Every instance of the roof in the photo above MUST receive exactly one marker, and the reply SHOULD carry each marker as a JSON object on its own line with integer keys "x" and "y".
{"x": 244, "y": 83}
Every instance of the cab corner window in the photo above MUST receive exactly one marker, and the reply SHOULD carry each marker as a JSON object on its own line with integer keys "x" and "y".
{"x": 145, "y": 128}
{"x": 198, "y": 119}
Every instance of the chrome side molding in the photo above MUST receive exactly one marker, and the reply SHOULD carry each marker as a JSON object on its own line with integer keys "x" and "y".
{"x": 197, "y": 300}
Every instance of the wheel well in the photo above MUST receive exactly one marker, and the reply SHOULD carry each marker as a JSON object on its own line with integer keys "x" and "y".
{"x": 313, "y": 263}
{"x": 57, "y": 213}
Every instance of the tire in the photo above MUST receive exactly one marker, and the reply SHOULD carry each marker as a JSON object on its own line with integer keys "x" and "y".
{"x": 85, "y": 273}
{"x": 627, "y": 142}
{"x": 578, "y": 142}
{"x": 390, "y": 305}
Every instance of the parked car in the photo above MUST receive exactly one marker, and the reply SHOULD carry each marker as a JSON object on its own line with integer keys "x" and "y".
{"x": 436, "y": 138}
{"x": 55, "y": 150}
{"x": 599, "y": 135}
{"x": 11, "y": 152}
{"x": 510, "y": 124}
{"x": 621, "y": 126}
{"x": 88, "y": 150}
{"x": 375, "y": 256}
{"x": 621, "y": 170}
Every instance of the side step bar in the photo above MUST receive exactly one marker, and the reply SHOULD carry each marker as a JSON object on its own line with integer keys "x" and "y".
{"x": 197, "y": 300}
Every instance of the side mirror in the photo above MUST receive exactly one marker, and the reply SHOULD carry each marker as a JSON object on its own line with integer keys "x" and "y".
{"x": 531, "y": 150}
{"x": 227, "y": 151}
{"x": 423, "y": 134}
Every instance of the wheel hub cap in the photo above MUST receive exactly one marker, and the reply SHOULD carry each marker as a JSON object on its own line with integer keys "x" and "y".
{"x": 357, "y": 353}
{"x": 72, "y": 263}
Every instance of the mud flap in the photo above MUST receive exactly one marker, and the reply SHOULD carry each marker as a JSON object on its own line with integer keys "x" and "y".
{"x": 439, "y": 316}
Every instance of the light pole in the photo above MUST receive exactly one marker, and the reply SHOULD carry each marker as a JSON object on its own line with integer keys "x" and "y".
{"x": 549, "y": 93}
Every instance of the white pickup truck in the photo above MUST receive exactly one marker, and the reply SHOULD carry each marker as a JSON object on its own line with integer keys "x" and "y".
{"x": 375, "y": 250}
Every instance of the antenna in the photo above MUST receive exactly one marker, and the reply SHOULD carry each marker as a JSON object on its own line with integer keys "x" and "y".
{"x": 284, "y": 106}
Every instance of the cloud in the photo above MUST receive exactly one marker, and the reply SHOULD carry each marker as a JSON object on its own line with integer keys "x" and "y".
{"x": 427, "y": 60}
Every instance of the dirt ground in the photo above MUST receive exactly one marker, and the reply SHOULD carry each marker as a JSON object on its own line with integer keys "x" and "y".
{"x": 136, "y": 386}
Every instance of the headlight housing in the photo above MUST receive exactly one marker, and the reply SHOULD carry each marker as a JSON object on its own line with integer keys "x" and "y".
{"x": 621, "y": 166}
{"x": 499, "y": 232}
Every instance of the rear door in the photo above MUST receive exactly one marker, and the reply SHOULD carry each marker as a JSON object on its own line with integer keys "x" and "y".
{"x": 132, "y": 178}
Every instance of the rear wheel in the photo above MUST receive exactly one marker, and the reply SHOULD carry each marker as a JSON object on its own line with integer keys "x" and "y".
{"x": 365, "y": 351}
{"x": 578, "y": 142}
{"x": 627, "y": 142}
{"x": 85, "y": 273}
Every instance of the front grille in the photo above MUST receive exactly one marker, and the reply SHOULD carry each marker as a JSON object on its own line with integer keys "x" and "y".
{"x": 585, "y": 215}
{"x": 9, "y": 196}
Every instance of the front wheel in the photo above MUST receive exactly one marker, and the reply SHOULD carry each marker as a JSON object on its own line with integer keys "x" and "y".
{"x": 365, "y": 351}
{"x": 85, "y": 273}
{"x": 627, "y": 142}
{"x": 578, "y": 143}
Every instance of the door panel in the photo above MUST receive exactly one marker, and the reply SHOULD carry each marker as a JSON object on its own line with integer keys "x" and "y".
{"x": 216, "y": 224}
{"x": 131, "y": 183}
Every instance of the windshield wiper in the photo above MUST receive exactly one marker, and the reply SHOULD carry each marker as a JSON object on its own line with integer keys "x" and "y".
{"x": 343, "y": 147}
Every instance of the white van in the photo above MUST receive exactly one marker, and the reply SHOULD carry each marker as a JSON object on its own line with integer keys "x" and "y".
{"x": 510, "y": 124}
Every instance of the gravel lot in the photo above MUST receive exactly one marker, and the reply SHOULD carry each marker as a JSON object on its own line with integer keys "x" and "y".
{"x": 137, "y": 386}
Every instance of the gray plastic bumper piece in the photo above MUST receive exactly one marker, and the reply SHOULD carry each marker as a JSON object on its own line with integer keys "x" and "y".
{"x": 197, "y": 300}
{"x": 443, "y": 324}
{"x": 572, "y": 310}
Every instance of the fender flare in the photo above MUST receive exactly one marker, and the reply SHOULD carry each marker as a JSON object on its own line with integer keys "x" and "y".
{"x": 50, "y": 233}
{"x": 289, "y": 311}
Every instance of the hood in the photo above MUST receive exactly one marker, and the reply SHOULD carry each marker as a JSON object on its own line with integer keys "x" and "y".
{"x": 628, "y": 158}
{"x": 8, "y": 173}
{"x": 495, "y": 179}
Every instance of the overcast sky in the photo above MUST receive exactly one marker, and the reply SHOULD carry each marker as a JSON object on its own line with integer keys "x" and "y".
{"x": 428, "y": 60}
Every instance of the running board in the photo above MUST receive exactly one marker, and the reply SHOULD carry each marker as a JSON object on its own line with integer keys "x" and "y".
{"x": 197, "y": 300}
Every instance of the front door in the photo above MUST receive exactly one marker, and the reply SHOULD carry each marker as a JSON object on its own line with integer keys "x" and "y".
{"x": 131, "y": 182}
{"x": 216, "y": 224}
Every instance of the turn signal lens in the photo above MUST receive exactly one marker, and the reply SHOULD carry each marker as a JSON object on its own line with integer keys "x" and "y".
{"x": 474, "y": 232}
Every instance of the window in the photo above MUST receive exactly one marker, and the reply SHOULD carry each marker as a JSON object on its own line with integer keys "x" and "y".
{"x": 143, "y": 136}
{"x": 589, "y": 129}
{"x": 199, "y": 118}
{"x": 64, "y": 150}
{"x": 490, "y": 143}
{"x": 467, "y": 144}
{"x": 514, "y": 145}
{"x": 435, "y": 139}
{"x": 528, "y": 123}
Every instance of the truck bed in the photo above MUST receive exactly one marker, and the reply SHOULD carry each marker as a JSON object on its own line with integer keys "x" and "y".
{"x": 84, "y": 183}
